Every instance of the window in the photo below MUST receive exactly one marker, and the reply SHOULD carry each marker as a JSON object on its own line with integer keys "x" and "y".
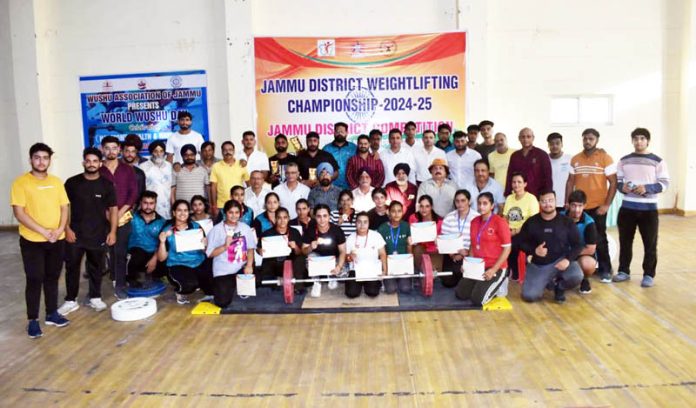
{"x": 581, "y": 110}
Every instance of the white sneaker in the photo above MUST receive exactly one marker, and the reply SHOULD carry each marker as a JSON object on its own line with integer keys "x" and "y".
{"x": 182, "y": 299}
{"x": 316, "y": 290}
{"x": 333, "y": 285}
{"x": 97, "y": 304}
{"x": 68, "y": 306}
{"x": 503, "y": 289}
{"x": 206, "y": 298}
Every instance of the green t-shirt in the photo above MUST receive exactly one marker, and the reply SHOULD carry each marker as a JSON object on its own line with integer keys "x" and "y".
{"x": 396, "y": 238}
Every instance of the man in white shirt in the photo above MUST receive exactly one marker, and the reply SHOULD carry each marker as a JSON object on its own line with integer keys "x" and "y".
{"x": 185, "y": 135}
{"x": 254, "y": 159}
{"x": 255, "y": 194}
{"x": 397, "y": 154}
{"x": 483, "y": 182}
{"x": 362, "y": 194}
{"x": 410, "y": 136}
{"x": 425, "y": 155}
{"x": 461, "y": 161}
{"x": 158, "y": 178}
{"x": 292, "y": 190}
{"x": 560, "y": 167}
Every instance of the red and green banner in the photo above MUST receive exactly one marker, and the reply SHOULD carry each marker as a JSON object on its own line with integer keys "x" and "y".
{"x": 308, "y": 84}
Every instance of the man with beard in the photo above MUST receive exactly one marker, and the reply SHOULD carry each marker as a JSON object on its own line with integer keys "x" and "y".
{"x": 397, "y": 154}
{"x": 342, "y": 150}
{"x": 250, "y": 157}
{"x": 143, "y": 242}
{"x": 280, "y": 160}
{"x": 92, "y": 228}
{"x": 461, "y": 161}
{"x": 594, "y": 172}
{"x": 224, "y": 175}
{"x": 554, "y": 242}
{"x": 439, "y": 187}
{"x": 425, "y": 155}
{"x": 158, "y": 177}
{"x": 365, "y": 160}
{"x": 191, "y": 179}
{"x": 488, "y": 145}
{"x": 326, "y": 192}
{"x": 40, "y": 205}
{"x": 531, "y": 161}
{"x": 402, "y": 190}
{"x": 123, "y": 178}
{"x": 131, "y": 156}
{"x": 500, "y": 159}
{"x": 309, "y": 159}
{"x": 185, "y": 135}
{"x": 444, "y": 131}
{"x": 291, "y": 190}
{"x": 560, "y": 167}
{"x": 375, "y": 140}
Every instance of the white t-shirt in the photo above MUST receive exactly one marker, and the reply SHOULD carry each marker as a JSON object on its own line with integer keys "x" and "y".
{"x": 366, "y": 248}
{"x": 255, "y": 161}
{"x": 176, "y": 141}
{"x": 462, "y": 167}
{"x": 425, "y": 159}
{"x": 560, "y": 168}
{"x": 391, "y": 159}
{"x": 288, "y": 198}
{"x": 363, "y": 202}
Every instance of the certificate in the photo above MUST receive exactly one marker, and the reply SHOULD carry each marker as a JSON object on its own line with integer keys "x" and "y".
{"x": 400, "y": 264}
{"x": 450, "y": 243}
{"x": 189, "y": 240}
{"x": 320, "y": 265}
{"x": 367, "y": 270}
{"x": 246, "y": 284}
{"x": 473, "y": 268}
{"x": 206, "y": 225}
{"x": 298, "y": 228}
{"x": 423, "y": 232}
{"x": 275, "y": 247}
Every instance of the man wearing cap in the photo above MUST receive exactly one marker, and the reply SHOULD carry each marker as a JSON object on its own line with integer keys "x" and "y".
{"x": 158, "y": 177}
{"x": 362, "y": 194}
{"x": 191, "y": 179}
{"x": 425, "y": 155}
{"x": 402, "y": 190}
{"x": 439, "y": 187}
{"x": 292, "y": 190}
{"x": 461, "y": 160}
{"x": 397, "y": 154}
{"x": 325, "y": 192}
{"x": 185, "y": 135}
{"x": 310, "y": 158}
{"x": 365, "y": 159}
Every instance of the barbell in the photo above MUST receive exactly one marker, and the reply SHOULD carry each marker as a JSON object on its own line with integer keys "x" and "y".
{"x": 427, "y": 277}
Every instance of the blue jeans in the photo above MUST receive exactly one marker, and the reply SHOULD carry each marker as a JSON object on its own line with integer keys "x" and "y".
{"x": 538, "y": 276}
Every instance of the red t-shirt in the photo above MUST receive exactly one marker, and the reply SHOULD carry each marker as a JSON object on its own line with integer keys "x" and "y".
{"x": 430, "y": 247}
{"x": 490, "y": 243}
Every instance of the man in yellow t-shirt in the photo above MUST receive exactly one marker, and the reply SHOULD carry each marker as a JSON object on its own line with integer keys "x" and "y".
{"x": 223, "y": 176}
{"x": 499, "y": 159}
{"x": 40, "y": 204}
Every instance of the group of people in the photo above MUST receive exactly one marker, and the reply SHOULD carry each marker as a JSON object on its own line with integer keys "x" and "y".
{"x": 356, "y": 202}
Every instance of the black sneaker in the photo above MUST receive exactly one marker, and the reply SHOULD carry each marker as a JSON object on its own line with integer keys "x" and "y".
{"x": 56, "y": 319}
{"x": 34, "y": 329}
{"x": 559, "y": 295}
{"x": 585, "y": 287}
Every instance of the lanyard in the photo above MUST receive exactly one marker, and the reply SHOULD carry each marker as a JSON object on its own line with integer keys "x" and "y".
{"x": 394, "y": 238}
{"x": 459, "y": 221}
{"x": 483, "y": 228}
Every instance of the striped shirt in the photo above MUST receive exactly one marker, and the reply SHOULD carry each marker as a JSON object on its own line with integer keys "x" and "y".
{"x": 454, "y": 224}
{"x": 189, "y": 183}
{"x": 642, "y": 169}
{"x": 348, "y": 223}
{"x": 590, "y": 175}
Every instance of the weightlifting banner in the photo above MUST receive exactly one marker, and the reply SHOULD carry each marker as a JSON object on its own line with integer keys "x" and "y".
{"x": 308, "y": 84}
{"x": 144, "y": 104}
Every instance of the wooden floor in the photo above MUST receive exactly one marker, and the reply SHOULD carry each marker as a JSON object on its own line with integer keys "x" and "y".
{"x": 620, "y": 346}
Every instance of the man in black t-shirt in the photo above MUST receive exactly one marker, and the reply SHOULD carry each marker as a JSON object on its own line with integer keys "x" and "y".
{"x": 554, "y": 243}
{"x": 309, "y": 159}
{"x": 278, "y": 161}
{"x": 92, "y": 228}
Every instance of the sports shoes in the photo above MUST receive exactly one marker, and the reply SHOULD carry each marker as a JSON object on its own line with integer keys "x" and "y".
{"x": 57, "y": 319}
{"x": 34, "y": 329}
{"x": 206, "y": 298}
{"x": 97, "y": 304}
{"x": 68, "y": 307}
{"x": 605, "y": 277}
{"x": 316, "y": 290}
{"x": 585, "y": 287}
{"x": 333, "y": 285}
{"x": 559, "y": 294}
{"x": 647, "y": 281}
{"x": 621, "y": 277}
{"x": 120, "y": 293}
{"x": 182, "y": 299}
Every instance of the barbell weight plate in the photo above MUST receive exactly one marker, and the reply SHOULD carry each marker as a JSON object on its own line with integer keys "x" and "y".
{"x": 132, "y": 309}
{"x": 288, "y": 286}
{"x": 427, "y": 279}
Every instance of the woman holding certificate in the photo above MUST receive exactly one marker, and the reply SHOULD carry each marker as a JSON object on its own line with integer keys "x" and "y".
{"x": 490, "y": 244}
{"x": 182, "y": 242}
{"x": 368, "y": 258}
{"x": 278, "y": 244}
{"x": 324, "y": 240}
{"x": 266, "y": 220}
{"x": 424, "y": 218}
{"x": 458, "y": 223}
{"x": 519, "y": 206}
{"x": 231, "y": 246}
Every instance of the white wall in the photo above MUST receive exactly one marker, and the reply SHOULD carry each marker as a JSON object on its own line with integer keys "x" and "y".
{"x": 520, "y": 53}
